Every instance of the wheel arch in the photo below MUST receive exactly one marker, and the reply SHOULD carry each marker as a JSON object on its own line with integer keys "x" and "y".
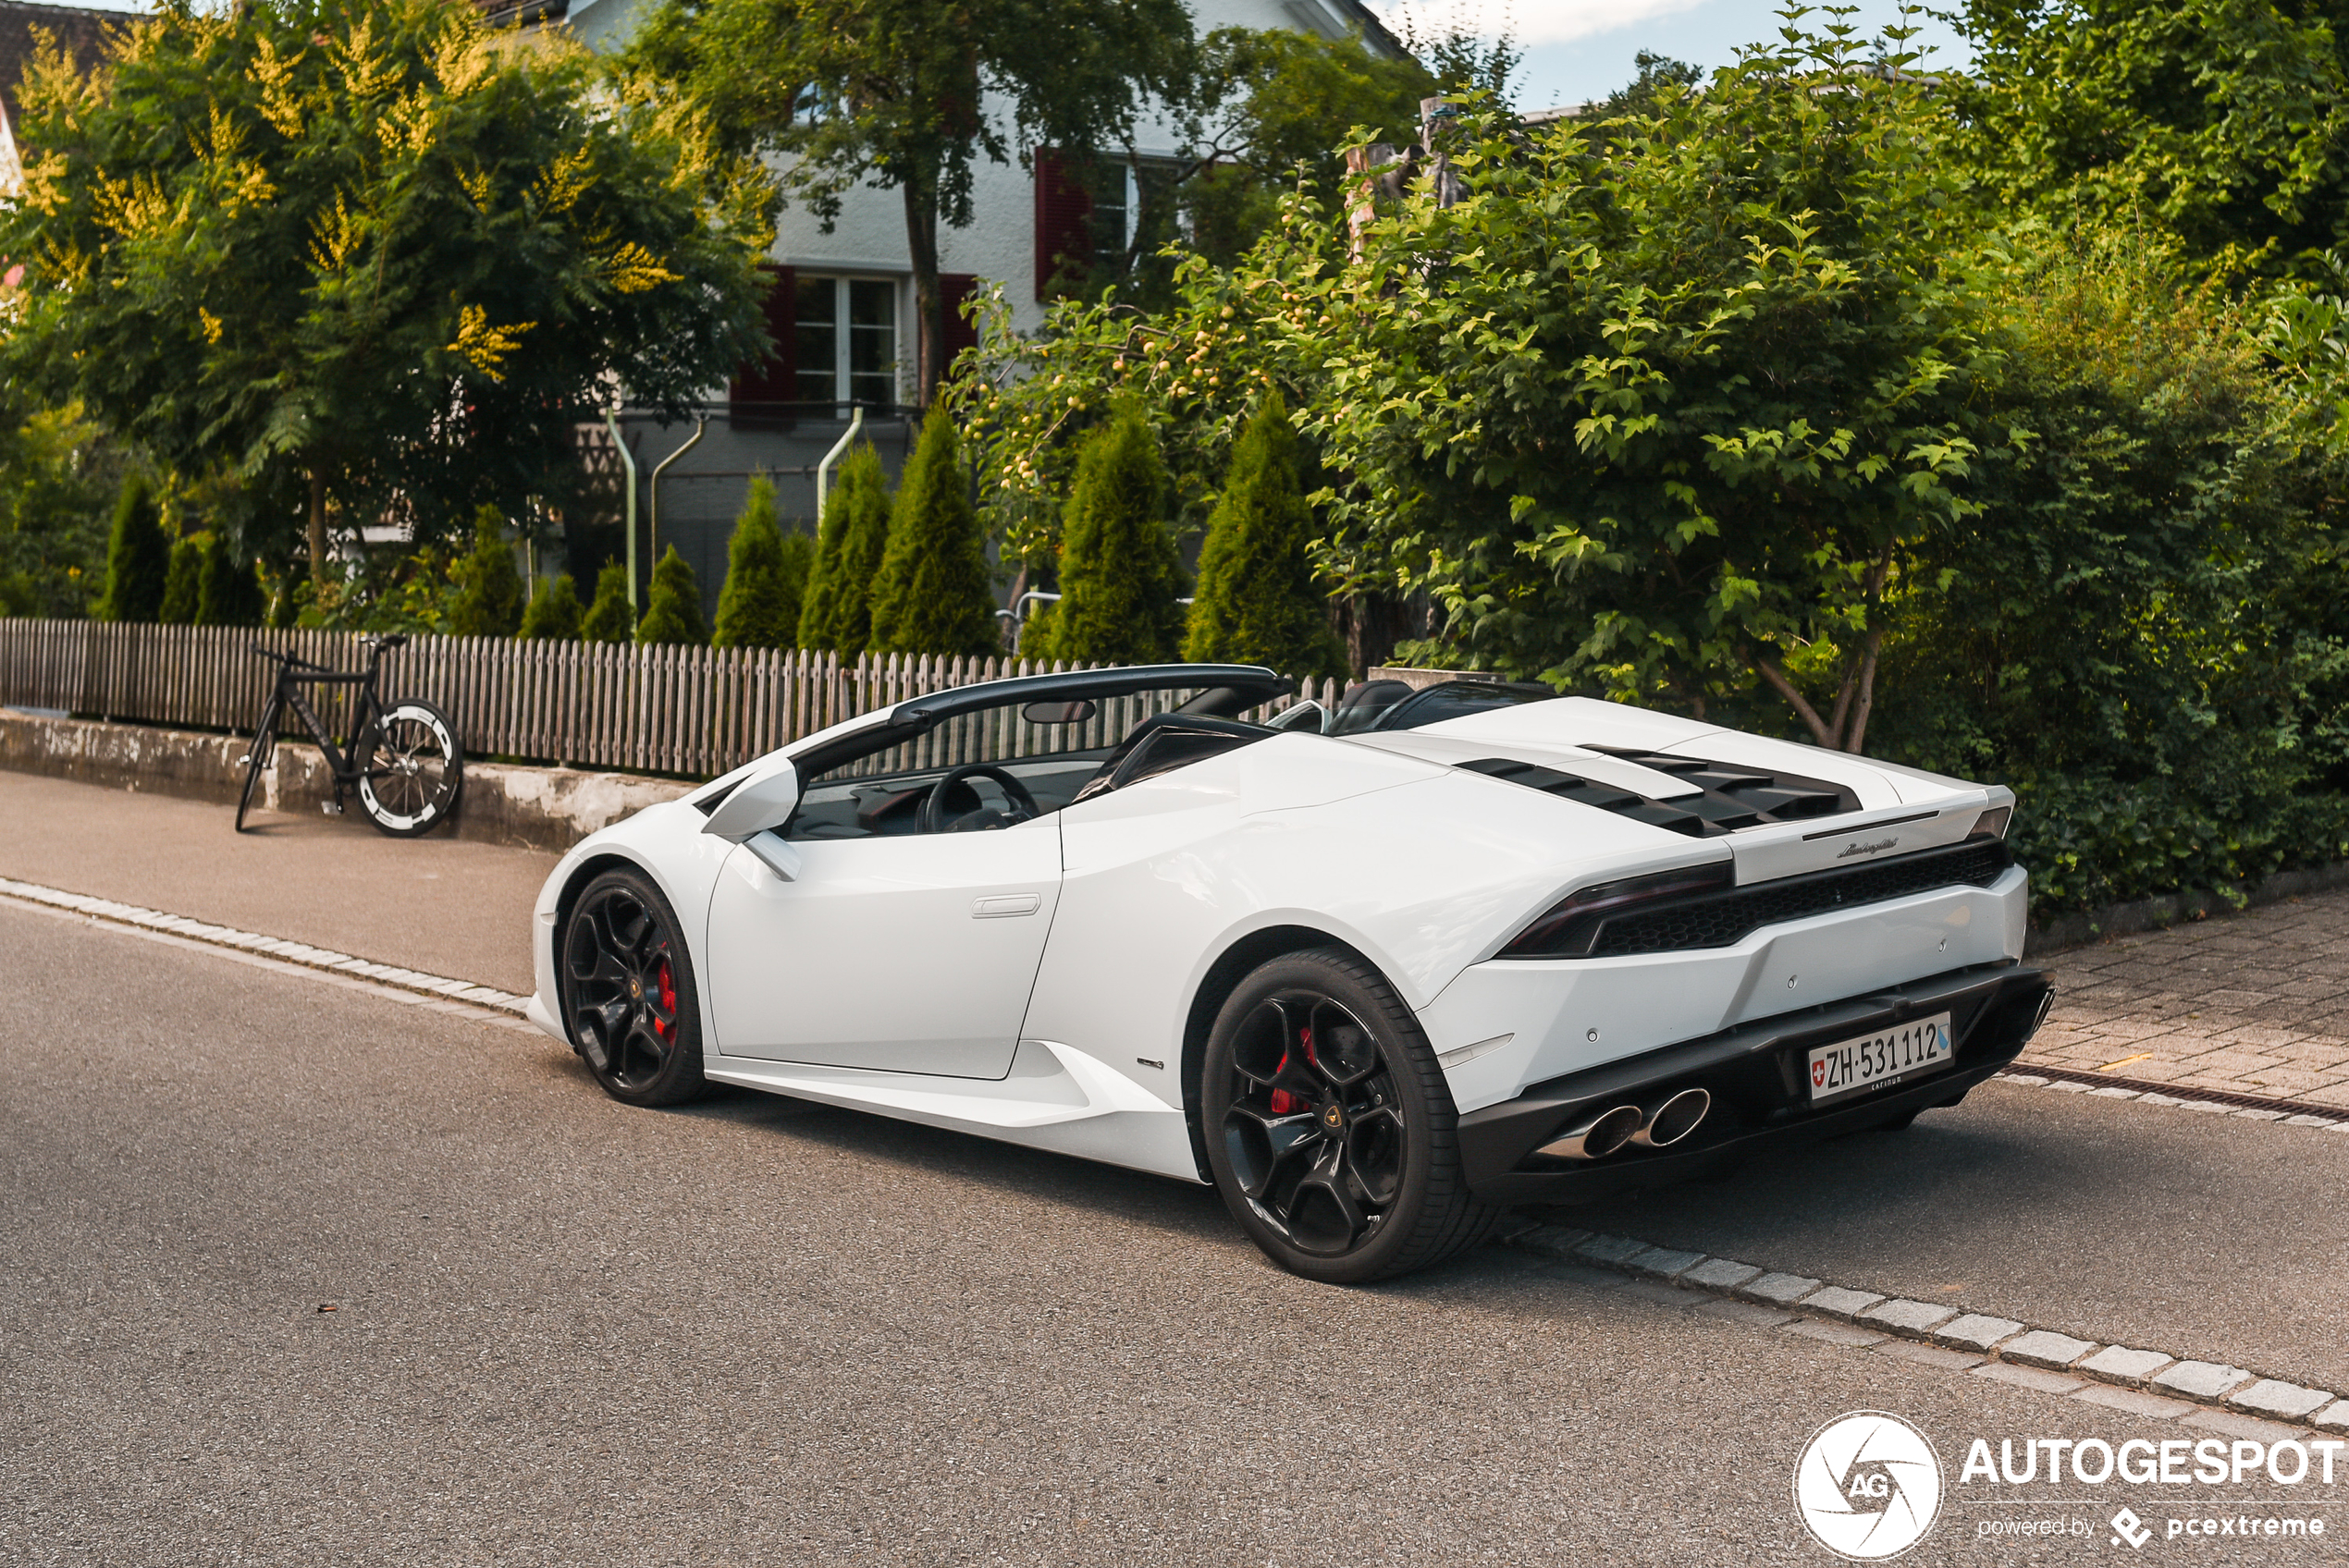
{"x": 1233, "y": 964}
{"x": 575, "y": 882}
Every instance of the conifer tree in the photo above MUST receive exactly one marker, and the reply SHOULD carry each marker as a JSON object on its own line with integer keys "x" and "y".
{"x": 489, "y": 589}
{"x": 1257, "y": 603}
{"x": 181, "y": 580}
{"x": 838, "y": 611}
{"x": 228, "y": 589}
{"x": 932, "y": 596}
{"x": 759, "y": 605}
{"x": 1120, "y": 574}
{"x": 553, "y": 616}
{"x": 138, "y": 555}
{"x": 607, "y": 619}
{"x": 672, "y": 612}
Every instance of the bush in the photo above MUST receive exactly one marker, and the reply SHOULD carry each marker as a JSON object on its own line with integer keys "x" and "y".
{"x": 759, "y": 605}
{"x": 138, "y": 555}
{"x": 608, "y": 619}
{"x": 553, "y": 616}
{"x": 182, "y": 579}
{"x": 1257, "y": 603}
{"x": 228, "y": 590}
{"x": 1120, "y": 575}
{"x": 488, "y": 588}
{"x": 672, "y": 612}
{"x": 853, "y": 535}
{"x": 933, "y": 595}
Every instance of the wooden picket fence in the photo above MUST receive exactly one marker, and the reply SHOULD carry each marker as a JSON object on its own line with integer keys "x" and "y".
{"x": 696, "y": 712}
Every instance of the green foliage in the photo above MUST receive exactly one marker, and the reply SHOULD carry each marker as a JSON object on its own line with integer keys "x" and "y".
{"x": 852, "y": 539}
{"x": 490, "y": 591}
{"x": 1120, "y": 576}
{"x": 181, "y": 580}
{"x": 59, "y": 475}
{"x": 672, "y": 611}
{"x": 375, "y": 249}
{"x": 766, "y": 576}
{"x": 553, "y": 616}
{"x": 227, "y": 590}
{"x": 138, "y": 555}
{"x": 931, "y": 595}
{"x": 608, "y": 619}
{"x": 1257, "y": 603}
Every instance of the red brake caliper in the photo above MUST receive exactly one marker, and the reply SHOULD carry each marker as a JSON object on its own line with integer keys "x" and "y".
{"x": 668, "y": 1000}
{"x": 1283, "y": 1103}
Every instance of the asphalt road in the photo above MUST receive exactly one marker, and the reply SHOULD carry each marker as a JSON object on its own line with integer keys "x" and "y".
{"x": 756, "y": 1331}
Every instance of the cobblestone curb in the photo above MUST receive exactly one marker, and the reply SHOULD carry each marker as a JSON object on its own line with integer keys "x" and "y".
{"x": 272, "y": 947}
{"x": 2219, "y": 1102}
{"x": 2001, "y": 1348}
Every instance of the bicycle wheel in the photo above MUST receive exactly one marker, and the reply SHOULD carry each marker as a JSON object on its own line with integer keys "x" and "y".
{"x": 265, "y": 744}
{"x": 410, "y": 778}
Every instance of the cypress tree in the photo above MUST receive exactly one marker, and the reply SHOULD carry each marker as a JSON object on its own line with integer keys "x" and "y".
{"x": 759, "y": 605}
{"x": 228, "y": 590}
{"x": 1120, "y": 575}
{"x": 553, "y": 616}
{"x": 1257, "y": 603}
{"x": 672, "y": 612}
{"x": 138, "y": 555}
{"x": 606, "y": 619}
{"x": 932, "y": 596}
{"x": 182, "y": 577}
{"x": 489, "y": 590}
{"x": 853, "y": 535}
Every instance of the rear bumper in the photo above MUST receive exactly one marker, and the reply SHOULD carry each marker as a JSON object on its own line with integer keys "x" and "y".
{"x": 1755, "y": 1074}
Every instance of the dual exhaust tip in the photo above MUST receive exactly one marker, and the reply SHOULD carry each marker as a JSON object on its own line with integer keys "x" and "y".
{"x": 1657, "y": 1126}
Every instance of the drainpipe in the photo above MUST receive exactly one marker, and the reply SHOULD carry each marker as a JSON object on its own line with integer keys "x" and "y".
{"x": 652, "y": 541}
{"x": 824, "y": 469}
{"x": 628, "y": 462}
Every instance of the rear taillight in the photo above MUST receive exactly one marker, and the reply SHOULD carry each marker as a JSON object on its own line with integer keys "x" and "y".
{"x": 1572, "y": 929}
{"x": 1992, "y": 824}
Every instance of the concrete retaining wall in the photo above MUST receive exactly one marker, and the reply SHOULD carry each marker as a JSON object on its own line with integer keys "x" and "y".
{"x": 542, "y": 808}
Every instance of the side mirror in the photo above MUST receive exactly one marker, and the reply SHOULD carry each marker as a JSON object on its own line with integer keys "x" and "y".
{"x": 762, "y": 802}
{"x": 1077, "y": 712}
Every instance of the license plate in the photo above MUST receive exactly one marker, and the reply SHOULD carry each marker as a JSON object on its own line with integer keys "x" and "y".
{"x": 1877, "y": 1061}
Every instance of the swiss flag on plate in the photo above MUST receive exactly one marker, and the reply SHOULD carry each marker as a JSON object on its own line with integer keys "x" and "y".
{"x": 1818, "y": 1074}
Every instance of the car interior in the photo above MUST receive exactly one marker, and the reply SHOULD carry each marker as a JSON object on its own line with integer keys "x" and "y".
{"x": 997, "y": 768}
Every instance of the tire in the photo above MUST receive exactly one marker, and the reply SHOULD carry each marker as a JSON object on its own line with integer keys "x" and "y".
{"x": 1343, "y": 1167}
{"x": 265, "y": 745}
{"x": 414, "y": 771}
{"x": 630, "y": 1005}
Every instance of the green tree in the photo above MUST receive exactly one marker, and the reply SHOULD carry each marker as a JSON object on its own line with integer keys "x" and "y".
{"x": 897, "y": 94}
{"x": 553, "y": 616}
{"x": 838, "y": 610}
{"x": 228, "y": 589}
{"x": 59, "y": 477}
{"x": 1257, "y": 601}
{"x": 608, "y": 619}
{"x": 931, "y": 595}
{"x": 766, "y": 576}
{"x": 489, "y": 592}
{"x": 1120, "y": 575}
{"x": 372, "y": 256}
{"x": 138, "y": 555}
{"x": 672, "y": 611}
{"x": 181, "y": 580}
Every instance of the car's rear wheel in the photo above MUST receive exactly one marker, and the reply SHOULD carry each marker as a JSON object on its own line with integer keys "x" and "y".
{"x": 628, "y": 995}
{"x": 1329, "y": 1127}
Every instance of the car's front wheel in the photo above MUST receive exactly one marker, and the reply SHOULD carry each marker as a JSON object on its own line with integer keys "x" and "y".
{"x": 1329, "y": 1127}
{"x": 628, "y": 997}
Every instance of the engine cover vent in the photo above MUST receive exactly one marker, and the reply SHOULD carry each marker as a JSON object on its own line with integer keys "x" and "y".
{"x": 1730, "y": 797}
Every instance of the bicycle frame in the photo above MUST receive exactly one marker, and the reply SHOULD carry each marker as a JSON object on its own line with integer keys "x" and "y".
{"x": 366, "y": 710}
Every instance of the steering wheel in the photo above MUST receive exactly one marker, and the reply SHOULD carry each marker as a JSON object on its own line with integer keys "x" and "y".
{"x": 933, "y": 817}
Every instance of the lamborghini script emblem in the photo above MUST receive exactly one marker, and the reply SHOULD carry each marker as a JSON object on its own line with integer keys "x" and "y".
{"x": 1856, "y": 847}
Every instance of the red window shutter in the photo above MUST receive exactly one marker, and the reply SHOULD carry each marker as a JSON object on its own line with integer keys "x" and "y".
{"x": 775, "y": 381}
{"x": 1063, "y": 219}
{"x": 953, "y": 290}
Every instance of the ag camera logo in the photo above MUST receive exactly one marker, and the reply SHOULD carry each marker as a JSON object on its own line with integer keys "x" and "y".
{"x": 1868, "y": 1486}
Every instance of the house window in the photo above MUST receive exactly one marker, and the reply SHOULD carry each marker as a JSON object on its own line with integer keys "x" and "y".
{"x": 845, "y": 341}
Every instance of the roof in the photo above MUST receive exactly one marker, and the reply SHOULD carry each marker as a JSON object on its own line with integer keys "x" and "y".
{"x": 1374, "y": 31}
{"x": 81, "y": 31}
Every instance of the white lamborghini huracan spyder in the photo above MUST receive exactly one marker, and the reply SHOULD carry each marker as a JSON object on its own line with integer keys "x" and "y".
{"x": 1375, "y": 972}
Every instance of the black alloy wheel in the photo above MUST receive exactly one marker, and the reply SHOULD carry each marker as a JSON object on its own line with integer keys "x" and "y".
{"x": 628, "y": 992}
{"x": 1330, "y": 1129}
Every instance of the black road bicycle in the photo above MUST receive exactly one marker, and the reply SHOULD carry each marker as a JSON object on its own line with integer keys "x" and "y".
{"x": 404, "y": 760}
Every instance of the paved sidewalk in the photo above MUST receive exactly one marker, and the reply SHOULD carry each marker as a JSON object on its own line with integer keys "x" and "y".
{"x": 2257, "y": 1004}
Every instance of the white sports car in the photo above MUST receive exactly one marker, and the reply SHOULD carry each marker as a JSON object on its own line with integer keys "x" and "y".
{"x": 1375, "y": 974}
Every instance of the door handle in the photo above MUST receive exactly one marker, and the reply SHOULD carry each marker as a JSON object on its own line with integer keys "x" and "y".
{"x": 998, "y": 906}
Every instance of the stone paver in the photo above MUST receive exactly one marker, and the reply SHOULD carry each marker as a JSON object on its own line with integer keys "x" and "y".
{"x": 1838, "y": 1302}
{"x": 1719, "y": 1274}
{"x": 1974, "y": 1331}
{"x": 1777, "y": 1290}
{"x": 2289, "y": 1402}
{"x": 2043, "y": 1347}
{"x": 2136, "y": 1402}
{"x": 1664, "y": 1263}
{"x": 2202, "y": 1379}
{"x": 1909, "y": 1317}
{"x": 2027, "y": 1378}
{"x": 2125, "y": 1366}
{"x": 2250, "y": 1003}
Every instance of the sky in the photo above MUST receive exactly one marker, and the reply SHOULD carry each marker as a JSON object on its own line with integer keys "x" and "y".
{"x": 1579, "y": 50}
